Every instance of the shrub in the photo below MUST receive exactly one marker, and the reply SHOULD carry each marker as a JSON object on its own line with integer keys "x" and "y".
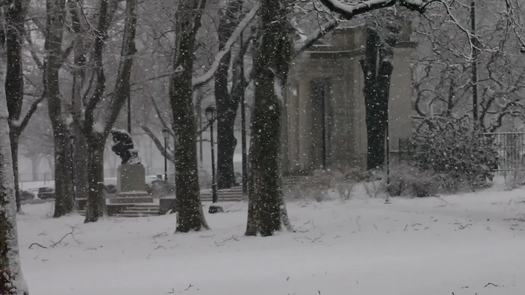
{"x": 322, "y": 185}
{"x": 450, "y": 148}
{"x": 408, "y": 180}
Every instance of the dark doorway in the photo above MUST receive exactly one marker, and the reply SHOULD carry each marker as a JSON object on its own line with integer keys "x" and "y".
{"x": 321, "y": 133}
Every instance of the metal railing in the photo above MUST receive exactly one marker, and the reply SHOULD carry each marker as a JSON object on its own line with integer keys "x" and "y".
{"x": 510, "y": 147}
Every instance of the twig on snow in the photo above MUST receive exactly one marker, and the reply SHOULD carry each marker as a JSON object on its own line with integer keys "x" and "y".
{"x": 54, "y": 244}
{"x": 189, "y": 287}
{"x": 36, "y": 244}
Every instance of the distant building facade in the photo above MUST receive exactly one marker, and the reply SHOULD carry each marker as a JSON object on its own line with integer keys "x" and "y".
{"x": 325, "y": 122}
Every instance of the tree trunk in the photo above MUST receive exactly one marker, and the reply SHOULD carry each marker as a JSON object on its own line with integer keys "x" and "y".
{"x": 251, "y": 225}
{"x": 14, "y": 80}
{"x": 53, "y": 46}
{"x": 11, "y": 278}
{"x": 14, "y": 136}
{"x": 226, "y": 143}
{"x": 63, "y": 174}
{"x": 226, "y": 104}
{"x": 271, "y": 69}
{"x": 377, "y": 69}
{"x": 96, "y": 202}
{"x": 80, "y": 164}
{"x": 187, "y": 23}
{"x": 80, "y": 153}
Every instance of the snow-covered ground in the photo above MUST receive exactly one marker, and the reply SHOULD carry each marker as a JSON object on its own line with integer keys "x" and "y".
{"x": 461, "y": 244}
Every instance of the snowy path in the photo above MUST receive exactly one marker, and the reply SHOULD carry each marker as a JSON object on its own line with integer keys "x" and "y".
{"x": 463, "y": 244}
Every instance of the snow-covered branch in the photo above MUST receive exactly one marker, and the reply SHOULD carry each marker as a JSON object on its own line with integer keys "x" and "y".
{"x": 348, "y": 11}
{"x": 32, "y": 109}
{"x": 166, "y": 152}
{"x": 164, "y": 123}
{"x": 227, "y": 47}
{"x": 302, "y": 45}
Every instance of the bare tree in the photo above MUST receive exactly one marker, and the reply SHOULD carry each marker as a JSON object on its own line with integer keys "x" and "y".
{"x": 82, "y": 36}
{"x": 55, "y": 10}
{"x": 97, "y": 136}
{"x": 15, "y": 14}
{"x": 383, "y": 29}
{"x": 226, "y": 104}
{"x": 213, "y": 66}
{"x": 461, "y": 71}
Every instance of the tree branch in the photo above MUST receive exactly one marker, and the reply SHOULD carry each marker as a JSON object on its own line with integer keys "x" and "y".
{"x": 318, "y": 34}
{"x": 168, "y": 154}
{"x": 29, "y": 114}
{"x": 348, "y": 11}
{"x": 161, "y": 117}
{"x": 199, "y": 81}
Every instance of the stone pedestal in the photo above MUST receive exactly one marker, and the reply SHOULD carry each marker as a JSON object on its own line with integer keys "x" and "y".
{"x": 131, "y": 178}
{"x": 131, "y": 183}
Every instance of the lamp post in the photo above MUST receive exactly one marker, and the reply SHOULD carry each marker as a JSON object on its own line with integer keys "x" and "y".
{"x": 129, "y": 113}
{"x": 211, "y": 115}
{"x": 243, "y": 129}
{"x": 73, "y": 167}
{"x": 165, "y": 134}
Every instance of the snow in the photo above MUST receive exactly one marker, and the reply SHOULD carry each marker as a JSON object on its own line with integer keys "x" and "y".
{"x": 466, "y": 244}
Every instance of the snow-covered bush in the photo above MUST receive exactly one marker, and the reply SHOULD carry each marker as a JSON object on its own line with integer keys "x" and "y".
{"x": 322, "y": 185}
{"x": 408, "y": 180}
{"x": 374, "y": 183}
{"x": 452, "y": 149}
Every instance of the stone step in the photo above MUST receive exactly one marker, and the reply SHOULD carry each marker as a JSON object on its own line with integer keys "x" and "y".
{"x": 225, "y": 195}
{"x": 130, "y": 200}
{"x": 140, "y": 210}
{"x": 146, "y": 206}
{"x": 233, "y": 194}
{"x": 130, "y": 213}
{"x": 221, "y": 199}
{"x": 236, "y": 189}
{"x": 127, "y": 214}
{"x": 143, "y": 207}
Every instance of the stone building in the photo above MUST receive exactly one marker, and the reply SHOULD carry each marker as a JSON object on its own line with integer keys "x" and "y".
{"x": 325, "y": 122}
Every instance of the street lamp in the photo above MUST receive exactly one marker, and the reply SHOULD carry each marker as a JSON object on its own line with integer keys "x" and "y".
{"x": 243, "y": 128}
{"x": 165, "y": 134}
{"x": 211, "y": 115}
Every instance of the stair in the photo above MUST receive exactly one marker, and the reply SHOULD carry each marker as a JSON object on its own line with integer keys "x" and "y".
{"x": 139, "y": 210}
{"x": 133, "y": 210}
{"x": 233, "y": 194}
